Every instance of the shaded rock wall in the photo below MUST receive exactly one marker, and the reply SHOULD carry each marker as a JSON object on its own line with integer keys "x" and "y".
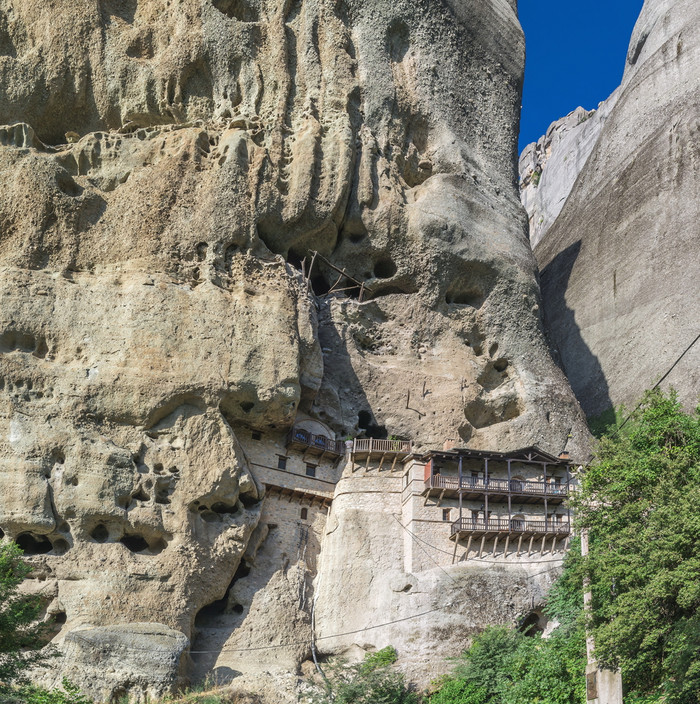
{"x": 168, "y": 171}
{"x": 620, "y": 261}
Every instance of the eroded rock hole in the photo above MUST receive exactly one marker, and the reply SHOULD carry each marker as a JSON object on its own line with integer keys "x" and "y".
{"x": 248, "y": 500}
{"x": 201, "y": 250}
{"x": 60, "y": 546}
{"x": 208, "y": 615}
{"x": 59, "y": 618}
{"x": 470, "y": 297}
{"x": 31, "y": 544}
{"x": 134, "y": 543}
{"x": 385, "y": 269}
{"x": 220, "y": 507}
{"x": 2, "y": 533}
{"x": 241, "y": 10}
{"x": 531, "y": 624}
{"x": 100, "y": 534}
{"x": 141, "y": 495}
{"x": 398, "y": 40}
{"x": 367, "y": 423}
{"x": 500, "y": 365}
{"x": 319, "y": 285}
{"x": 247, "y": 406}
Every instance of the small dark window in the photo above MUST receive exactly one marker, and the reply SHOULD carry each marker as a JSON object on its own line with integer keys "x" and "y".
{"x": 281, "y": 462}
{"x": 310, "y": 470}
{"x": 304, "y": 514}
{"x": 257, "y": 436}
{"x": 445, "y": 514}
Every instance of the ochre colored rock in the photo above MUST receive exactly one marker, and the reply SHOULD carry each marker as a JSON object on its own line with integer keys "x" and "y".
{"x": 166, "y": 308}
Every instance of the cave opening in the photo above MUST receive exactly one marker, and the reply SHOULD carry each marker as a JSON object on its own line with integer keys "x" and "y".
{"x": 34, "y": 544}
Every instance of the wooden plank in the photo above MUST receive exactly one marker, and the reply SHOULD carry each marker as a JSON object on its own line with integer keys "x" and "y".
{"x": 520, "y": 542}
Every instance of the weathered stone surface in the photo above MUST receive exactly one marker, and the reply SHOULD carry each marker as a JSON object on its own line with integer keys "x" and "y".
{"x": 167, "y": 173}
{"x": 620, "y": 263}
{"x": 147, "y": 656}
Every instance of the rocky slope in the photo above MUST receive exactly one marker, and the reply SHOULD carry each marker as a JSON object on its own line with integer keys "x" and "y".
{"x": 614, "y": 220}
{"x": 182, "y": 186}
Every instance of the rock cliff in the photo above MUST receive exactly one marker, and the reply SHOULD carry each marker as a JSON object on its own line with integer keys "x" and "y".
{"x": 220, "y": 218}
{"x": 614, "y": 221}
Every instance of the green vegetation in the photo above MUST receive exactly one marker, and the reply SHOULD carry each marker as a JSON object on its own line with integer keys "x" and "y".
{"x": 640, "y": 502}
{"x": 371, "y": 681}
{"x": 535, "y": 179}
{"x": 504, "y": 666}
{"x": 21, "y": 636}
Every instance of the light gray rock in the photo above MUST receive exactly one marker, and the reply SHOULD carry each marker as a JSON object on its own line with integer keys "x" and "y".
{"x": 620, "y": 265}
{"x": 142, "y": 660}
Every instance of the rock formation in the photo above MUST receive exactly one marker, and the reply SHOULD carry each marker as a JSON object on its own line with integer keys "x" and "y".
{"x": 614, "y": 220}
{"x": 222, "y": 216}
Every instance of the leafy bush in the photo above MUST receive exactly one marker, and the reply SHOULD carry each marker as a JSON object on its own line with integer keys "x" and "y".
{"x": 21, "y": 636}
{"x": 382, "y": 658}
{"x": 68, "y": 694}
{"x": 640, "y": 502}
{"x": 370, "y": 682}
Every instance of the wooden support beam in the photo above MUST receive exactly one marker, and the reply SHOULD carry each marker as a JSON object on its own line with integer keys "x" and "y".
{"x": 427, "y": 496}
{"x": 495, "y": 546}
{"x": 381, "y": 461}
{"x": 393, "y": 464}
{"x": 544, "y": 538}
{"x": 442, "y": 494}
{"x": 554, "y": 544}
{"x": 520, "y": 542}
{"x": 454, "y": 554}
{"x": 469, "y": 545}
{"x": 529, "y": 550}
{"x": 481, "y": 548}
{"x": 369, "y": 457}
{"x": 505, "y": 552}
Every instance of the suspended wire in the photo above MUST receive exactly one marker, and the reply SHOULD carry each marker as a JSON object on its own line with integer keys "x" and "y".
{"x": 659, "y": 382}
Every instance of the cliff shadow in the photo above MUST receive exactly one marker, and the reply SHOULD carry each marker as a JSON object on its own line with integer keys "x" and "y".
{"x": 569, "y": 349}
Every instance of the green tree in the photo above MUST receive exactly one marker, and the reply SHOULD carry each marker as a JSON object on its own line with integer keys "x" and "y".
{"x": 640, "y": 503}
{"x": 371, "y": 681}
{"x": 21, "y": 635}
{"x": 504, "y": 666}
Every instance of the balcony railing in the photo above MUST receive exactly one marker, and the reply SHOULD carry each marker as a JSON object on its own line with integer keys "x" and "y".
{"x": 498, "y": 486}
{"x": 514, "y": 525}
{"x": 320, "y": 443}
{"x": 374, "y": 446}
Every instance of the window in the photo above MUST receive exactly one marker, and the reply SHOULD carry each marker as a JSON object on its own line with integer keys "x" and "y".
{"x": 445, "y": 514}
{"x": 310, "y": 470}
{"x": 281, "y": 462}
{"x": 304, "y": 514}
{"x": 256, "y": 436}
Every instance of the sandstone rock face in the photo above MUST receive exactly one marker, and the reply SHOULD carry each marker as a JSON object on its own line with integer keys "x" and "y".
{"x": 620, "y": 262}
{"x": 147, "y": 656}
{"x": 220, "y": 216}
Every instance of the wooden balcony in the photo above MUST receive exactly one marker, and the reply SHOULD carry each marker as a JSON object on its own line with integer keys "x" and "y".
{"x": 369, "y": 449}
{"x": 498, "y": 489}
{"x": 495, "y": 527}
{"x": 317, "y": 445}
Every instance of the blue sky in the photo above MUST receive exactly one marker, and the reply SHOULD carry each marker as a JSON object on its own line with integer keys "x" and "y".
{"x": 576, "y": 52}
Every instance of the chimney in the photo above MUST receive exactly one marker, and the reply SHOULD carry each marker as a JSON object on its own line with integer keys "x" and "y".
{"x": 564, "y": 456}
{"x": 449, "y": 445}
